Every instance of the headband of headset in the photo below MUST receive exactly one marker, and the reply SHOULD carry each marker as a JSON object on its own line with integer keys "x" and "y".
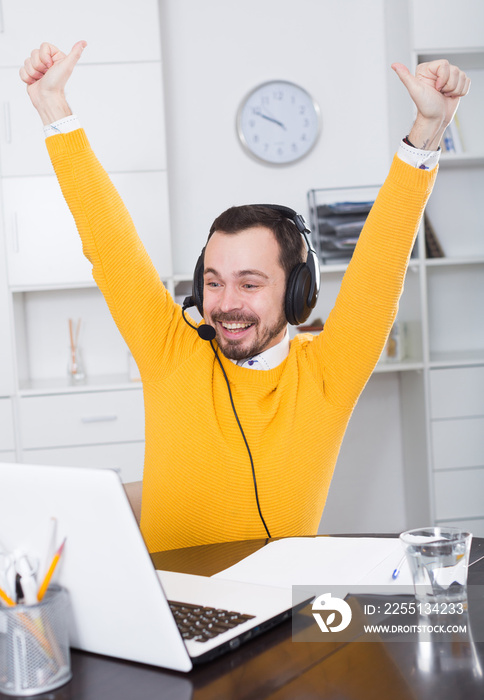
{"x": 302, "y": 287}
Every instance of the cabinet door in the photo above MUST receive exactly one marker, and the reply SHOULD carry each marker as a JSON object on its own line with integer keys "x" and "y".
{"x": 41, "y": 240}
{"x": 6, "y": 355}
{"x": 458, "y": 443}
{"x": 82, "y": 419}
{"x": 457, "y": 392}
{"x": 115, "y": 30}
{"x": 126, "y": 134}
{"x": 458, "y": 494}
{"x": 126, "y": 457}
{"x": 43, "y": 247}
{"x": 438, "y": 23}
{"x": 7, "y": 440}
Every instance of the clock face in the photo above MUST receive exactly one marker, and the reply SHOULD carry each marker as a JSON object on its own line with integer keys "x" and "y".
{"x": 278, "y": 122}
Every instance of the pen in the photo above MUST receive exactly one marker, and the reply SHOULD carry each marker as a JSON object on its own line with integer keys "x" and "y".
{"x": 26, "y": 570}
{"x": 45, "y": 583}
{"x": 396, "y": 571}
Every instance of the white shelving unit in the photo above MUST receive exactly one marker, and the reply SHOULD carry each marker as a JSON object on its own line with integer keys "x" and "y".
{"x": 454, "y": 287}
{"x": 440, "y": 379}
{"x": 45, "y": 280}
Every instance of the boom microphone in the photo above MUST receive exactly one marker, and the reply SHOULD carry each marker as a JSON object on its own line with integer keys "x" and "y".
{"x": 205, "y": 331}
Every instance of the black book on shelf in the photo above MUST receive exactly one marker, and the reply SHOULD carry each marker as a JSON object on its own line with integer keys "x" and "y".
{"x": 433, "y": 249}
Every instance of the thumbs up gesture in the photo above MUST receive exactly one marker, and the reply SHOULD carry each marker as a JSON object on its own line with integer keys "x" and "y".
{"x": 46, "y": 72}
{"x": 436, "y": 89}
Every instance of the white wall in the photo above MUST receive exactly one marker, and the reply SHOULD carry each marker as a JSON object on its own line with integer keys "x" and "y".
{"x": 216, "y": 51}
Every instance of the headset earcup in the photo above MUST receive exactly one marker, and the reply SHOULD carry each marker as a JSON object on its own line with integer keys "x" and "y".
{"x": 197, "y": 288}
{"x": 297, "y": 292}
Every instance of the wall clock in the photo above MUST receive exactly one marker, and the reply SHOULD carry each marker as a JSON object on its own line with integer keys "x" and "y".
{"x": 278, "y": 122}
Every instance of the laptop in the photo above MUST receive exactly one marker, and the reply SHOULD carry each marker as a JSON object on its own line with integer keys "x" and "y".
{"x": 119, "y": 604}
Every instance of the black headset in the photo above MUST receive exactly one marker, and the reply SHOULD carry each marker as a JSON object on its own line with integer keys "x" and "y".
{"x": 302, "y": 287}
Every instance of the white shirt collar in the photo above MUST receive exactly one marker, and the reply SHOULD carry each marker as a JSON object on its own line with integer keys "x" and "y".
{"x": 268, "y": 359}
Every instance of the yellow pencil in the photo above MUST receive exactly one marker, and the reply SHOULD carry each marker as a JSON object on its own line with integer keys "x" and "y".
{"x": 45, "y": 583}
{"x": 6, "y": 599}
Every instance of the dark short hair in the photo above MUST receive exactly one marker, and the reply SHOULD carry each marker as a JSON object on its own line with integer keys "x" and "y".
{"x": 292, "y": 249}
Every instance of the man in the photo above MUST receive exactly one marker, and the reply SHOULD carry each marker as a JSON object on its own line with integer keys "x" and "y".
{"x": 267, "y": 441}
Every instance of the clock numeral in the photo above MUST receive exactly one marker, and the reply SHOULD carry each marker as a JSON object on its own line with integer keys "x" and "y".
{"x": 294, "y": 147}
{"x": 278, "y": 95}
{"x": 255, "y": 138}
{"x": 302, "y": 109}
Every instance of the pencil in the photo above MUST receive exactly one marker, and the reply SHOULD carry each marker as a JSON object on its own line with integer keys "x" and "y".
{"x": 45, "y": 583}
{"x": 6, "y": 599}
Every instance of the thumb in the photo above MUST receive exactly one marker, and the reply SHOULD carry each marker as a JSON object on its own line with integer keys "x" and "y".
{"x": 403, "y": 73}
{"x": 76, "y": 52}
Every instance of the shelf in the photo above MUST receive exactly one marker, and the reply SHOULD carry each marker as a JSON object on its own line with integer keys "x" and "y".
{"x": 459, "y": 160}
{"x": 442, "y": 262}
{"x": 60, "y": 385}
{"x": 456, "y": 359}
{"x": 61, "y": 287}
{"x": 404, "y": 366}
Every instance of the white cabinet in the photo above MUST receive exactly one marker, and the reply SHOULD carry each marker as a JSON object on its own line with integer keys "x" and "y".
{"x": 116, "y": 30}
{"x": 43, "y": 248}
{"x": 41, "y": 241}
{"x": 457, "y": 442}
{"x": 453, "y": 285}
{"x": 86, "y": 418}
{"x": 98, "y": 428}
{"x": 117, "y": 92}
{"x": 447, "y": 23}
{"x": 126, "y": 134}
{"x": 126, "y": 457}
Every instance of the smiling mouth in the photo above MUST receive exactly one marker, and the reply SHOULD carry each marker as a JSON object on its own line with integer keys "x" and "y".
{"x": 235, "y": 326}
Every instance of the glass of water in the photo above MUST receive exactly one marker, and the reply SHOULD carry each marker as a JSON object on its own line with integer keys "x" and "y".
{"x": 438, "y": 558}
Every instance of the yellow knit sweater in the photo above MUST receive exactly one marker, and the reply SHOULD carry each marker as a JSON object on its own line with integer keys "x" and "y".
{"x": 197, "y": 483}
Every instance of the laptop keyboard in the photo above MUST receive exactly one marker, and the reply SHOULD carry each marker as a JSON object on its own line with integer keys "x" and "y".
{"x": 201, "y": 623}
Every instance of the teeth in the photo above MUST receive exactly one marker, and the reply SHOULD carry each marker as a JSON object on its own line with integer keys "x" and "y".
{"x": 235, "y": 326}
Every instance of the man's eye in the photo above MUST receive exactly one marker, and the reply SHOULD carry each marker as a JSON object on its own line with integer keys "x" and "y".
{"x": 250, "y": 286}
{"x": 212, "y": 284}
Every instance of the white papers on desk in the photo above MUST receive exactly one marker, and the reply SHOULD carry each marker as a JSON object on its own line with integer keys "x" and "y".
{"x": 334, "y": 561}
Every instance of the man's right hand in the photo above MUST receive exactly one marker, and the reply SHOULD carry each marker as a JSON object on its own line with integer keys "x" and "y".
{"x": 46, "y": 73}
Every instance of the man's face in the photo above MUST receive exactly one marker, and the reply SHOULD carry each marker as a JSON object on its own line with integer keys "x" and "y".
{"x": 243, "y": 291}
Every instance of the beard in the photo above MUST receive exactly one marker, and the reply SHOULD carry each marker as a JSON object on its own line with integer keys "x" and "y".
{"x": 238, "y": 349}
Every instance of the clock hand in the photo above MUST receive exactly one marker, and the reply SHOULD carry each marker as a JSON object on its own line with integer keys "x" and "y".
{"x": 270, "y": 119}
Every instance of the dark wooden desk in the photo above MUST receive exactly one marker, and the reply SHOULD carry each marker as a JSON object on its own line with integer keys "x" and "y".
{"x": 273, "y": 666}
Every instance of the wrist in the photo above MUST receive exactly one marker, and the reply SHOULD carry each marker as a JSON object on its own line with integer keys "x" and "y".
{"x": 426, "y": 134}
{"x": 51, "y": 107}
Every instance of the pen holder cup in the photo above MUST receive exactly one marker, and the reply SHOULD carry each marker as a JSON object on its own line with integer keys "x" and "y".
{"x": 34, "y": 645}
